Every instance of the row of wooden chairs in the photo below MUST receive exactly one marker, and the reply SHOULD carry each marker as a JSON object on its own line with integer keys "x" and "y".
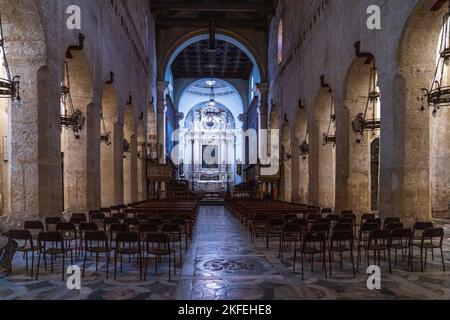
{"x": 66, "y": 233}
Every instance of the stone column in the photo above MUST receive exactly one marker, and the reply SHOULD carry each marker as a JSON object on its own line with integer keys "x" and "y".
{"x": 162, "y": 87}
{"x": 263, "y": 108}
{"x": 118, "y": 163}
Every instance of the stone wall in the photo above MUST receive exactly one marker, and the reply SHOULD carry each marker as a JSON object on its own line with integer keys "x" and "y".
{"x": 37, "y": 40}
{"x": 320, "y": 41}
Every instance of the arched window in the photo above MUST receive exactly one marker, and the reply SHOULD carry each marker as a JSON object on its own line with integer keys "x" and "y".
{"x": 280, "y": 42}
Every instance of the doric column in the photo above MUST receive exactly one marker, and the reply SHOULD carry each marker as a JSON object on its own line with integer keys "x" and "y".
{"x": 163, "y": 88}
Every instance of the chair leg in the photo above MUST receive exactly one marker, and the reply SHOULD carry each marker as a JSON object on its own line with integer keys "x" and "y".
{"x": 353, "y": 262}
{"x": 63, "y": 265}
{"x": 37, "y": 268}
{"x": 84, "y": 265}
{"x": 115, "y": 266}
{"x": 443, "y": 261}
{"x": 107, "y": 265}
{"x": 303, "y": 270}
{"x": 421, "y": 259}
{"x": 389, "y": 257}
{"x": 32, "y": 263}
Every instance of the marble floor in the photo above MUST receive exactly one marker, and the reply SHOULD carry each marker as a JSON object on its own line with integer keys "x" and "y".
{"x": 223, "y": 264}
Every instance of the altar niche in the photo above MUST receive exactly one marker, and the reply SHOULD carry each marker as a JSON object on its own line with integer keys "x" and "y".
{"x": 209, "y": 152}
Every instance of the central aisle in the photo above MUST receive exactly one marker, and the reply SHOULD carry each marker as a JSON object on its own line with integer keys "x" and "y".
{"x": 222, "y": 263}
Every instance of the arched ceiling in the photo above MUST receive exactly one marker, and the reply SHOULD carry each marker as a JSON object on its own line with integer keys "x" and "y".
{"x": 228, "y": 61}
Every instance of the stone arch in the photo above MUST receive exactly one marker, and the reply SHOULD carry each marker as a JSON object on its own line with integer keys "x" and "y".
{"x": 107, "y": 154}
{"x": 425, "y": 140}
{"x": 322, "y": 157}
{"x": 221, "y": 34}
{"x": 74, "y": 147}
{"x": 358, "y": 184}
{"x": 301, "y": 135}
{"x": 286, "y": 163}
{"x": 129, "y": 155}
{"x": 21, "y": 189}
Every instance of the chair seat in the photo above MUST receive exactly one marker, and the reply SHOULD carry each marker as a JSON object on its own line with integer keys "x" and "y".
{"x": 26, "y": 249}
{"x": 311, "y": 251}
{"x": 399, "y": 246}
{"x": 341, "y": 248}
{"x": 98, "y": 250}
{"x": 160, "y": 252}
{"x": 56, "y": 251}
{"x": 427, "y": 246}
{"x": 128, "y": 251}
{"x": 377, "y": 247}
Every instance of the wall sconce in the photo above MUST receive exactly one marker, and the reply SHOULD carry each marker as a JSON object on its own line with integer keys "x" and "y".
{"x": 330, "y": 137}
{"x": 304, "y": 147}
{"x": 9, "y": 87}
{"x": 105, "y": 137}
{"x": 72, "y": 118}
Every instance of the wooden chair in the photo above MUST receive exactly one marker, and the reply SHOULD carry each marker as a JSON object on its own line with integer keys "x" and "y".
{"x": 96, "y": 242}
{"x": 313, "y": 244}
{"x": 127, "y": 244}
{"x": 341, "y": 242}
{"x": 25, "y": 243}
{"x": 158, "y": 245}
{"x": 399, "y": 239}
{"x": 52, "y": 243}
{"x": 428, "y": 242}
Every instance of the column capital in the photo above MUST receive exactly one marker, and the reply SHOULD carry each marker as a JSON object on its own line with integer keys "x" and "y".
{"x": 162, "y": 85}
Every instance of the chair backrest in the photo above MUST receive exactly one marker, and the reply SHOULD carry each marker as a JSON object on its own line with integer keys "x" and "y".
{"x": 313, "y": 216}
{"x": 334, "y": 217}
{"x": 293, "y": 228}
{"x": 88, "y": 226}
{"x": 327, "y": 211}
{"x": 346, "y": 212}
{"x": 105, "y": 210}
{"x": 52, "y": 220}
{"x": 401, "y": 234}
{"x": 342, "y": 236}
{"x": 179, "y": 221}
{"x": 394, "y": 226}
{"x": 109, "y": 221}
{"x": 301, "y": 222}
{"x": 66, "y": 226}
{"x": 96, "y": 236}
{"x": 388, "y": 220}
{"x": 369, "y": 227}
{"x": 314, "y": 237}
{"x": 343, "y": 227}
{"x": 157, "y": 238}
{"x": 127, "y": 237}
{"x": 367, "y": 216}
{"x": 422, "y": 225}
{"x": 375, "y": 221}
{"x": 78, "y": 215}
{"x": 260, "y": 218}
{"x": 97, "y": 216}
{"x": 142, "y": 217}
{"x": 154, "y": 221}
{"x": 380, "y": 234}
{"x": 147, "y": 228}
{"x": 34, "y": 225}
{"x": 433, "y": 233}
{"x": 320, "y": 228}
{"x": 120, "y": 216}
{"x": 275, "y": 222}
{"x": 51, "y": 237}
{"x": 118, "y": 227}
{"x": 131, "y": 221}
{"x": 20, "y": 235}
{"x": 170, "y": 227}
{"x": 323, "y": 221}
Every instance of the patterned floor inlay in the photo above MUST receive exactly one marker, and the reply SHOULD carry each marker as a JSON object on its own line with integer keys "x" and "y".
{"x": 223, "y": 264}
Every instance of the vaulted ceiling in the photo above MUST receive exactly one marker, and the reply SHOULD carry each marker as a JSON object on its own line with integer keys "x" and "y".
{"x": 227, "y": 61}
{"x": 255, "y": 14}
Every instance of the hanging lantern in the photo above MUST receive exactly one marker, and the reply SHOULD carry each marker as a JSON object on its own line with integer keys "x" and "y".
{"x": 105, "y": 137}
{"x": 9, "y": 87}
{"x": 71, "y": 118}
{"x": 370, "y": 119}
{"x": 439, "y": 94}
{"x": 304, "y": 147}
{"x": 330, "y": 136}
